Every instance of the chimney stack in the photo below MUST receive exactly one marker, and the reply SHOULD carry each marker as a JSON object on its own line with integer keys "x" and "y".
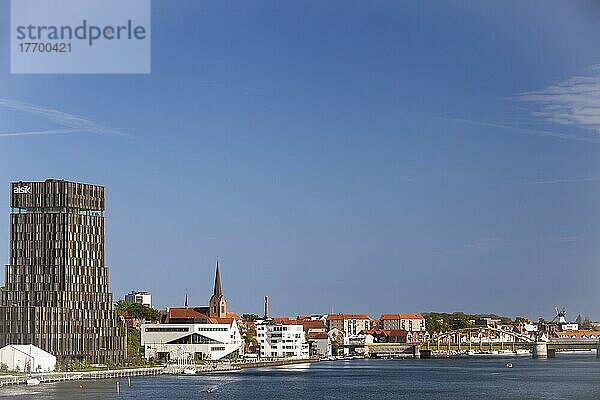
{"x": 266, "y": 307}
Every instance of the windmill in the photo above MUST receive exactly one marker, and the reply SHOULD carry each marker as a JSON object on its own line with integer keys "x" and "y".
{"x": 560, "y": 316}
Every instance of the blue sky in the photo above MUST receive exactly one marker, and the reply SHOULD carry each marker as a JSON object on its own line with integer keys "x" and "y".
{"x": 345, "y": 156}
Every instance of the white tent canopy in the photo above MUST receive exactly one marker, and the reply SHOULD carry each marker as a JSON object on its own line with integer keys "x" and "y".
{"x": 26, "y": 358}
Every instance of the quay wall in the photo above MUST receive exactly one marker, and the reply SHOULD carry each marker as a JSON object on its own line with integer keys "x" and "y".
{"x": 74, "y": 376}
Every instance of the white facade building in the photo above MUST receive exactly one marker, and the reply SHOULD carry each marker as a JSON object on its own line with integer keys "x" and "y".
{"x": 26, "y": 358}
{"x": 211, "y": 341}
{"x": 143, "y": 298}
{"x": 281, "y": 340}
{"x": 570, "y": 327}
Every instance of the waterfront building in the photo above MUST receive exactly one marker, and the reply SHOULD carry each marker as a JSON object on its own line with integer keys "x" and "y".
{"x": 580, "y": 334}
{"x": 26, "y": 358}
{"x": 207, "y": 338}
{"x": 319, "y": 344}
{"x": 143, "y": 298}
{"x": 406, "y": 322}
{"x": 487, "y": 322}
{"x": 187, "y": 333}
{"x": 571, "y": 326}
{"x": 283, "y": 339}
{"x": 350, "y": 324}
{"x": 338, "y": 341}
{"x": 397, "y": 336}
{"x": 310, "y": 325}
{"x": 55, "y": 293}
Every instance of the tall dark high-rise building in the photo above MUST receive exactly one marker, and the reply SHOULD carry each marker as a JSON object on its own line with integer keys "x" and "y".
{"x": 55, "y": 293}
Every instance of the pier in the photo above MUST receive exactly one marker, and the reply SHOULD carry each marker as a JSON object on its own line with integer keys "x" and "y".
{"x": 235, "y": 366}
{"x": 75, "y": 376}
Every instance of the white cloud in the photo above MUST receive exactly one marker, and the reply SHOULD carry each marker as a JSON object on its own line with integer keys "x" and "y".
{"x": 528, "y": 131}
{"x": 38, "y": 133}
{"x": 574, "y": 102}
{"x": 71, "y": 123}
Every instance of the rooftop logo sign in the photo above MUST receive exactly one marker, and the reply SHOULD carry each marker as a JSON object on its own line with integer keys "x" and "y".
{"x": 80, "y": 36}
{"x": 22, "y": 189}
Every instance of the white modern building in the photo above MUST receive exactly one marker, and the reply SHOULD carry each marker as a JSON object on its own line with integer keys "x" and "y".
{"x": 143, "y": 298}
{"x": 281, "y": 340}
{"x": 201, "y": 333}
{"x": 26, "y": 358}
{"x": 216, "y": 339}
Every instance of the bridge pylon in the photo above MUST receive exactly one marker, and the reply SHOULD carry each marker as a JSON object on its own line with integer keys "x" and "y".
{"x": 416, "y": 352}
{"x": 540, "y": 350}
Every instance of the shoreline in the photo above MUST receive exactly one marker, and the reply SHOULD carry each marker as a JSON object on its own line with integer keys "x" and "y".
{"x": 50, "y": 377}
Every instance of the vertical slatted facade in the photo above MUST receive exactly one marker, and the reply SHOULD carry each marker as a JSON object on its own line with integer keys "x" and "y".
{"x": 56, "y": 283}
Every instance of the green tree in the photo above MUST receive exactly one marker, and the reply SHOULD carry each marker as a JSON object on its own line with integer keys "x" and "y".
{"x": 137, "y": 311}
{"x": 121, "y": 306}
{"x": 134, "y": 342}
{"x": 249, "y": 317}
{"x": 584, "y": 323}
{"x": 249, "y": 338}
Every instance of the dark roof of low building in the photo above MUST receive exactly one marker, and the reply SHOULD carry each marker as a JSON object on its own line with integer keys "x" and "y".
{"x": 318, "y": 335}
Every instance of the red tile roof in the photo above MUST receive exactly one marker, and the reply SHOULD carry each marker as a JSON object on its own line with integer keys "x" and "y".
{"x": 318, "y": 335}
{"x": 338, "y": 317}
{"x": 580, "y": 333}
{"x": 233, "y": 315}
{"x": 400, "y": 316}
{"x": 375, "y": 331}
{"x": 317, "y": 324}
{"x": 184, "y": 313}
{"x": 397, "y": 333}
{"x": 228, "y": 321}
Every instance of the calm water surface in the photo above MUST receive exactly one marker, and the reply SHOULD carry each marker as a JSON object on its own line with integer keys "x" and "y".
{"x": 566, "y": 377}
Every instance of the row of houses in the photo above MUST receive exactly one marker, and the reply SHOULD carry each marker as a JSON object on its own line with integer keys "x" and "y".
{"x": 190, "y": 333}
{"x": 333, "y": 334}
{"x": 212, "y": 333}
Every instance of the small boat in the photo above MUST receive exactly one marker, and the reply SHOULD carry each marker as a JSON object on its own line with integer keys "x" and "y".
{"x": 509, "y": 365}
{"x": 32, "y": 381}
{"x": 189, "y": 371}
{"x": 209, "y": 390}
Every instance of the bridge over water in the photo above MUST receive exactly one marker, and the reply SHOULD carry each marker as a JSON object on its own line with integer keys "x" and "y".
{"x": 483, "y": 340}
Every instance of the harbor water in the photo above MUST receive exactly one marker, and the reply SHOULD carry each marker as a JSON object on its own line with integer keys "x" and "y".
{"x": 565, "y": 377}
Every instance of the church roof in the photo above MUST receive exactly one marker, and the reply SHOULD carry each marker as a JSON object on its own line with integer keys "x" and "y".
{"x": 217, "y": 290}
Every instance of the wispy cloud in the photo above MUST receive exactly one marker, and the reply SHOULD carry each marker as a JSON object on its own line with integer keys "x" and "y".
{"x": 39, "y": 133}
{"x": 559, "y": 181}
{"x": 71, "y": 123}
{"x": 564, "y": 239}
{"x": 574, "y": 102}
{"x": 528, "y": 131}
{"x": 479, "y": 247}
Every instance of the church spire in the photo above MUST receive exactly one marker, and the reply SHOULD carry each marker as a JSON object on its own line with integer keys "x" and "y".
{"x": 217, "y": 305}
{"x": 217, "y": 291}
